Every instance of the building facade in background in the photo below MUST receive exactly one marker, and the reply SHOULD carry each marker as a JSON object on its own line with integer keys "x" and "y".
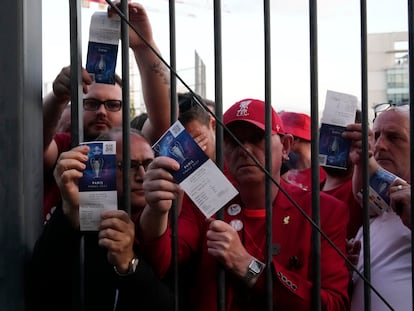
{"x": 388, "y": 68}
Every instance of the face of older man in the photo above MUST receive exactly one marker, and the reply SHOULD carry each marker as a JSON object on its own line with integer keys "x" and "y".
{"x": 141, "y": 156}
{"x": 392, "y": 142}
{"x": 241, "y": 167}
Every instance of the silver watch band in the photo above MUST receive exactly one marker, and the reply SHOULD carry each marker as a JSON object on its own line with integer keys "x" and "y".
{"x": 131, "y": 267}
{"x": 254, "y": 270}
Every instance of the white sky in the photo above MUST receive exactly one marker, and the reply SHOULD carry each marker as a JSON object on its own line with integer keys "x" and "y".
{"x": 242, "y": 43}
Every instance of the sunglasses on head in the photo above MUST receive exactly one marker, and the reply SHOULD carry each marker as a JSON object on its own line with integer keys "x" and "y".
{"x": 401, "y": 106}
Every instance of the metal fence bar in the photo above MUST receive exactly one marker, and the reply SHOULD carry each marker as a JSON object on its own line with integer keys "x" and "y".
{"x": 21, "y": 170}
{"x": 316, "y": 237}
{"x": 268, "y": 154}
{"x": 411, "y": 95}
{"x": 218, "y": 84}
{"x": 75, "y": 71}
{"x": 76, "y": 129}
{"x": 173, "y": 95}
{"x": 365, "y": 176}
{"x": 126, "y": 148}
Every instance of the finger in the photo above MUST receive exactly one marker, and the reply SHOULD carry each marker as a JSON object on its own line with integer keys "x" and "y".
{"x": 67, "y": 177}
{"x": 396, "y": 188}
{"x": 216, "y": 244}
{"x": 78, "y": 153}
{"x": 119, "y": 214}
{"x": 116, "y": 246}
{"x": 158, "y": 175}
{"x": 86, "y": 77}
{"x": 114, "y": 235}
{"x": 219, "y": 226}
{"x": 165, "y": 163}
{"x": 70, "y": 165}
{"x": 71, "y": 157}
{"x": 215, "y": 253}
{"x": 157, "y": 196}
{"x": 120, "y": 223}
{"x": 354, "y": 127}
{"x": 399, "y": 181}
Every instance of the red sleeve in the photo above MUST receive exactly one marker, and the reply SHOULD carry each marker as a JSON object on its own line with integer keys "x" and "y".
{"x": 191, "y": 224}
{"x": 51, "y": 193}
{"x": 335, "y": 277}
{"x": 292, "y": 284}
{"x": 63, "y": 142}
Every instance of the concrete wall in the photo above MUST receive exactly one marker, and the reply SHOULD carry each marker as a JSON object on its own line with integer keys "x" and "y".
{"x": 21, "y": 143}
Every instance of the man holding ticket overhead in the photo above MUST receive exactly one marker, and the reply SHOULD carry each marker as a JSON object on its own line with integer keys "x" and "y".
{"x": 390, "y": 224}
{"x": 102, "y": 104}
{"x": 238, "y": 243}
{"x": 115, "y": 275}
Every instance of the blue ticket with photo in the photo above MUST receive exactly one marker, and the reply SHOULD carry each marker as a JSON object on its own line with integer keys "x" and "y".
{"x": 97, "y": 186}
{"x": 198, "y": 175}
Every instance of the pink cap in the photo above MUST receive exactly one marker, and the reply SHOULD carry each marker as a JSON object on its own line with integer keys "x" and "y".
{"x": 297, "y": 124}
{"x": 252, "y": 111}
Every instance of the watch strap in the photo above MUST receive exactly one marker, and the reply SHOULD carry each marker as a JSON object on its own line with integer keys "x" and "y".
{"x": 254, "y": 270}
{"x": 131, "y": 267}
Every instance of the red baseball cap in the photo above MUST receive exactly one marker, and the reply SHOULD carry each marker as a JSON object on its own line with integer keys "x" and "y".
{"x": 297, "y": 124}
{"x": 252, "y": 111}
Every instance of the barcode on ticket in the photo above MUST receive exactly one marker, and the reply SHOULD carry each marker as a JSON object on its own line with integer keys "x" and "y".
{"x": 176, "y": 129}
{"x": 109, "y": 147}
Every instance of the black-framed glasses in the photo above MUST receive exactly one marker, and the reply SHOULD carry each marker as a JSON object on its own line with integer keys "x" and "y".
{"x": 92, "y": 104}
{"x": 135, "y": 165}
{"x": 402, "y": 106}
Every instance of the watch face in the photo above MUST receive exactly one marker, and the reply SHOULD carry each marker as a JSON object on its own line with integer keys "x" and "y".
{"x": 255, "y": 266}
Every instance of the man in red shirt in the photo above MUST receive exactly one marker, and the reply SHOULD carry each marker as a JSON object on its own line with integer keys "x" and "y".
{"x": 299, "y": 164}
{"x": 103, "y": 102}
{"x": 238, "y": 242}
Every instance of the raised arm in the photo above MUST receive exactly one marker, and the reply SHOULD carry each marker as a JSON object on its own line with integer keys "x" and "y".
{"x": 354, "y": 133}
{"x": 160, "y": 189}
{"x": 155, "y": 77}
{"x": 53, "y": 105}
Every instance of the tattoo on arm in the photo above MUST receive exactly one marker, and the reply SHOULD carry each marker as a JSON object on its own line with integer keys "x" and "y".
{"x": 161, "y": 70}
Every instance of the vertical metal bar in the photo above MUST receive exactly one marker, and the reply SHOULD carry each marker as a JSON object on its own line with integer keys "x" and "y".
{"x": 218, "y": 98}
{"x": 173, "y": 96}
{"x": 268, "y": 154}
{"x": 365, "y": 176}
{"x": 77, "y": 122}
{"x": 411, "y": 96}
{"x": 126, "y": 148}
{"x": 316, "y": 238}
{"x": 21, "y": 170}
{"x": 197, "y": 68}
{"x": 75, "y": 71}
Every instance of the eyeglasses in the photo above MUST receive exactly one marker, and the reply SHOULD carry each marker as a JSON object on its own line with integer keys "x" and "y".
{"x": 401, "y": 106}
{"x": 135, "y": 165}
{"x": 92, "y": 104}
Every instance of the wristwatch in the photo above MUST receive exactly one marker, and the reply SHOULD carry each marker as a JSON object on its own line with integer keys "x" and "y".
{"x": 255, "y": 268}
{"x": 131, "y": 267}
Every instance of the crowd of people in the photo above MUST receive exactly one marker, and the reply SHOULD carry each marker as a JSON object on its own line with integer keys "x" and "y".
{"x": 127, "y": 264}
